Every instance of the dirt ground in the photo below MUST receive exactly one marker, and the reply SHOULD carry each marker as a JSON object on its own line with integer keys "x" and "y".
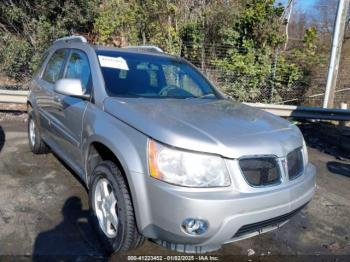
{"x": 44, "y": 211}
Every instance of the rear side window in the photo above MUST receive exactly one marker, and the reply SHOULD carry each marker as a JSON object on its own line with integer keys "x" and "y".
{"x": 54, "y": 66}
{"x": 78, "y": 68}
{"x": 39, "y": 67}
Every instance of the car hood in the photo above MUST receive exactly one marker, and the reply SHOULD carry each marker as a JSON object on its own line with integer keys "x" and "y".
{"x": 222, "y": 127}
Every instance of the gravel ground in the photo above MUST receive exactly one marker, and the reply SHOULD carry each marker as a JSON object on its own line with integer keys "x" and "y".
{"x": 17, "y": 117}
{"x": 44, "y": 211}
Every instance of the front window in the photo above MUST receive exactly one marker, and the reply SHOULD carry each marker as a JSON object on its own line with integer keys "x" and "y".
{"x": 78, "y": 67}
{"x": 149, "y": 76}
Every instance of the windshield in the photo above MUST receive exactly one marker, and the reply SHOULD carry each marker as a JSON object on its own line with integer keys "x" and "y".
{"x": 149, "y": 76}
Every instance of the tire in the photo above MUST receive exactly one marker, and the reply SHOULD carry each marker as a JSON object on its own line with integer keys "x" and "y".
{"x": 121, "y": 236}
{"x": 36, "y": 144}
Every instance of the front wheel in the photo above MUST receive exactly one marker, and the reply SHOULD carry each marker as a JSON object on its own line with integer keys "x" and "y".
{"x": 112, "y": 209}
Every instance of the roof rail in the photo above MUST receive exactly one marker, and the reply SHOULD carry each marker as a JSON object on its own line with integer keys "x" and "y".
{"x": 147, "y": 48}
{"x": 73, "y": 38}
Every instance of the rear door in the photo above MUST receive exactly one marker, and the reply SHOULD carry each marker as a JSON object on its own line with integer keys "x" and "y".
{"x": 70, "y": 110}
{"x": 45, "y": 94}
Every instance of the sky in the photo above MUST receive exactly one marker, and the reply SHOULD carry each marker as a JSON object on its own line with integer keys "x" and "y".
{"x": 311, "y": 8}
{"x": 306, "y": 5}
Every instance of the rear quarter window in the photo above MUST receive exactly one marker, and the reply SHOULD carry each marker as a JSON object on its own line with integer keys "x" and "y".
{"x": 39, "y": 67}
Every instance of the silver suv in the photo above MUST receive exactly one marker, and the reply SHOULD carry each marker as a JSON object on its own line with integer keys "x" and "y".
{"x": 164, "y": 154}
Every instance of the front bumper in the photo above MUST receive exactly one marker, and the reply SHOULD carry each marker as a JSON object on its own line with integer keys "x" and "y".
{"x": 163, "y": 207}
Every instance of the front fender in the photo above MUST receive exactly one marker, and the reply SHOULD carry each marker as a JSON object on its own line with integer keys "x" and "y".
{"x": 126, "y": 143}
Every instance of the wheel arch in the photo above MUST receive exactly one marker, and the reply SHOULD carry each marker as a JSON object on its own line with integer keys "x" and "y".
{"x": 98, "y": 152}
{"x": 106, "y": 150}
{"x": 29, "y": 105}
{"x": 32, "y": 106}
{"x": 125, "y": 150}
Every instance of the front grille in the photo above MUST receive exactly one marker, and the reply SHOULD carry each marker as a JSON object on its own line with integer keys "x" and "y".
{"x": 256, "y": 227}
{"x": 263, "y": 171}
{"x": 295, "y": 163}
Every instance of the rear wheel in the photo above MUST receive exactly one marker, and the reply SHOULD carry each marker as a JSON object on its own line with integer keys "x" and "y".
{"x": 36, "y": 144}
{"x": 112, "y": 209}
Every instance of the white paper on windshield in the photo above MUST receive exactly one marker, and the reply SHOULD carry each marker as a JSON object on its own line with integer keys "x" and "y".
{"x": 113, "y": 62}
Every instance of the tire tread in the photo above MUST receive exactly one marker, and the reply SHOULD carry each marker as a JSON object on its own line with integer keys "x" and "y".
{"x": 131, "y": 237}
{"x": 40, "y": 147}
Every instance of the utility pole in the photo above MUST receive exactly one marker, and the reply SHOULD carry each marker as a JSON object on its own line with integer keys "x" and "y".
{"x": 286, "y": 19}
{"x": 338, "y": 36}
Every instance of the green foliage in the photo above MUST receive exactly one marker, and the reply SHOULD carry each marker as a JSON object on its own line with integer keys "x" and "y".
{"x": 240, "y": 39}
{"x": 252, "y": 74}
{"x": 287, "y": 76}
{"x": 244, "y": 73}
{"x": 192, "y": 33}
{"x": 27, "y": 28}
{"x": 308, "y": 54}
{"x": 14, "y": 56}
{"x": 259, "y": 24}
{"x": 121, "y": 22}
{"x": 253, "y": 68}
{"x": 116, "y": 22}
{"x": 159, "y": 24}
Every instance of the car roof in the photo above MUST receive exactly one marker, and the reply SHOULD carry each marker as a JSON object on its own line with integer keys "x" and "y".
{"x": 80, "y": 41}
{"x": 133, "y": 51}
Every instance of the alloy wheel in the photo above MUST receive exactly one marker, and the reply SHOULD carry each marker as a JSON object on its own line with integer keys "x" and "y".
{"x": 105, "y": 204}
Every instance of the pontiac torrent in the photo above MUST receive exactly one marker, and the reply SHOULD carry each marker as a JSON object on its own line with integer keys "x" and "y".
{"x": 164, "y": 154}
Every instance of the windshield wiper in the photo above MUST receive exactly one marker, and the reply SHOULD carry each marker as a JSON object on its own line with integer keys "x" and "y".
{"x": 211, "y": 95}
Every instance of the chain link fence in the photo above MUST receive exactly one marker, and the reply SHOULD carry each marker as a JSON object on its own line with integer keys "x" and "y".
{"x": 308, "y": 92}
{"x": 342, "y": 92}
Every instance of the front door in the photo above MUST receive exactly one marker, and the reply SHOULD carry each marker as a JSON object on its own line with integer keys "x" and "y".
{"x": 70, "y": 110}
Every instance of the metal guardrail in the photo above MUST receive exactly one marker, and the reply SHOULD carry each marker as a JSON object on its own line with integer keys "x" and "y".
{"x": 305, "y": 112}
{"x": 13, "y": 101}
{"x": 299, "y": 112}
{"x": 15, "y": 97}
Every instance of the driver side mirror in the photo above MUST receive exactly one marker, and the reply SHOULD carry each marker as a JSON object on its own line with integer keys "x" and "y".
{"x": 70, "y": 87}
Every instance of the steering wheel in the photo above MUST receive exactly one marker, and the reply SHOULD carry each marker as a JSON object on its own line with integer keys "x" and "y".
{"x": 164, "y": 91}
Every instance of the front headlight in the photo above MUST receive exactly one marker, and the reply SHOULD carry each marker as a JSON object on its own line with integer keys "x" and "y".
{"x": 186, "y": 168}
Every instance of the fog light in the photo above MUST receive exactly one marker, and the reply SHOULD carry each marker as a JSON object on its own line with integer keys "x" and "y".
{"x": 195, "y": 226}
